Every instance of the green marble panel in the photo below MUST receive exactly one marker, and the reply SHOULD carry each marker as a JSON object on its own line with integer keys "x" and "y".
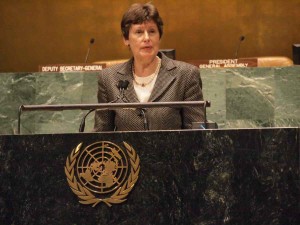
{"x": 249, "y": 97}
{"x": 240, "y": 98}
{"x": 214, "y": 90}
{"x": 63, "y": 88}
{"x": 16, "y": 89}
{"x": 45, "y": 88}
{"x": 253, "y": 97}
{"x": 287, "y": 97}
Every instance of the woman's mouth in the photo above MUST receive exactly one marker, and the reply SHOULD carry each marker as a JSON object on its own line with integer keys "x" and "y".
{"x": 147, "y": 47}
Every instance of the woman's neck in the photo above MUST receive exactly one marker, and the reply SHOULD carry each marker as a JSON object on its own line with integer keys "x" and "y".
{"x": 144, "y": 69}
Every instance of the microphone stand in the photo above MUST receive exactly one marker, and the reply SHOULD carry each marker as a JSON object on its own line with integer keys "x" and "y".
{"x": 122, "y": 86}
{"x": 143, "y": 113}
{"x": 242, "y": 38}
{"x": 106, "y": 106}
{"x": 88, "y": 51}
{"x": 82, "y": 124}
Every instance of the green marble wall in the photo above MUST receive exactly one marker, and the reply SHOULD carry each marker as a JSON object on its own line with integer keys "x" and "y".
{"x": 253, "y": 97}
{"x": 45, "y": 88}
{"x": 240, "y": 97}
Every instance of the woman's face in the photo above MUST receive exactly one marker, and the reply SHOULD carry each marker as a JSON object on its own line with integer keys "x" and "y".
{"x": 144, "y": 40}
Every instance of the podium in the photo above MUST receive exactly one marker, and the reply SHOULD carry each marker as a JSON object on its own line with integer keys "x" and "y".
{"x": 234, "y": 176}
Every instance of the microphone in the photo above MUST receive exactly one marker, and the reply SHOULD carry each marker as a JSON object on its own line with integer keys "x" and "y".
{"x": 125, "y": 84}
{"x": 242, "y": 38}
{"x": 124, "y": 87}
{"x": 121, "y": 85}
{"x": 88, "y": 51}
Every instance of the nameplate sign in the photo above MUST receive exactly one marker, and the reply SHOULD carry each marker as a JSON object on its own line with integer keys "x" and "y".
{"x": 64, "y": 68}
{"x": 224, "y": 63}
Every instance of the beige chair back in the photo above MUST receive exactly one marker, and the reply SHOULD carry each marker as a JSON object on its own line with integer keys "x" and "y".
{"x": 274, "y": 61}
{"x": 110, "y": 63}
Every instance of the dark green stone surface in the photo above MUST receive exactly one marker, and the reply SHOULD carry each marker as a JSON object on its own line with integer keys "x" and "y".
{"x": 242, "y": 176}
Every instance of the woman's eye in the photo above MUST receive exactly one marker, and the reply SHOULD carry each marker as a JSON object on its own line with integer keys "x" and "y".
{"x": 152, "y": 32}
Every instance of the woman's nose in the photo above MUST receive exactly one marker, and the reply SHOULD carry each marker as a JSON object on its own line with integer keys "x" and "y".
{"x": 146, "y": 35}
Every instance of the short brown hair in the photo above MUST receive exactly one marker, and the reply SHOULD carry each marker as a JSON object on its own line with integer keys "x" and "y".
{"x": 139, "y": 13}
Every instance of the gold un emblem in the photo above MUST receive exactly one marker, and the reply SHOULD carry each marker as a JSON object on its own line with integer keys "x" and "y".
{"x": 102, "y": 172}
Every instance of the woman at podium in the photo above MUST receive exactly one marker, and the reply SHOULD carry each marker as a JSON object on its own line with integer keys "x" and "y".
{"x": 150, "y": 77}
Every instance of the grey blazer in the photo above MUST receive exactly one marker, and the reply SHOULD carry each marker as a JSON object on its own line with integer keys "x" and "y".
{"x": 176, "y": 81}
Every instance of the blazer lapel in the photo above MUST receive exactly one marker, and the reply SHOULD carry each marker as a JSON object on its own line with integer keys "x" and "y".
{"x": 126, "y": 73}
{"x": 164, "y": 78}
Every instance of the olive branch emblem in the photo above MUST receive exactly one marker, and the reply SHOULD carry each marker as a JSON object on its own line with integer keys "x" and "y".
{"x": 87, "y": 197}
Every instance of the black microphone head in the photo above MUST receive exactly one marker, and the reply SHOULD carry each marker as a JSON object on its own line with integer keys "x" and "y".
{"x": 125, "y": 84}
{"x": 120, "y": 84}
{"x": 242, "y": 38}
{"x": 92, "y": 41}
